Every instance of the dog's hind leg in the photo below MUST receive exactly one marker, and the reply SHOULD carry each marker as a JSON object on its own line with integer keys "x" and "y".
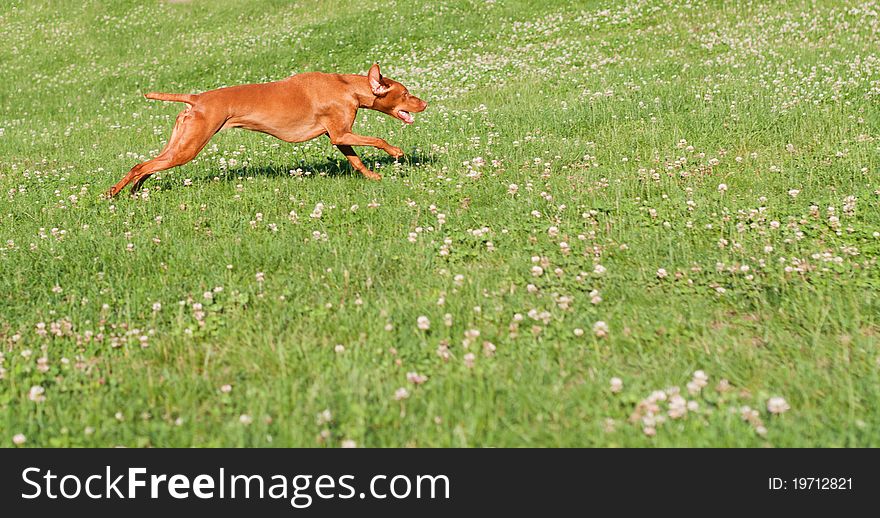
{"x": 191, "y": 132}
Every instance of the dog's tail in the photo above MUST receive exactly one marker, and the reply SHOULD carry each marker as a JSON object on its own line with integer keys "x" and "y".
{"x": 181, "y": 98}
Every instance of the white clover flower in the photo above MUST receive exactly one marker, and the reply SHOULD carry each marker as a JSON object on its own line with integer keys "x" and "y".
{"x": 37, "y": 394}
{"x": 616, "y": 385}
{"x": 777, "y": 405}
{"x": 677, "y": 407}
{"x": 324, "y": 417}
{"x": 415, "y": 378}
{"x": 423, "y": 323}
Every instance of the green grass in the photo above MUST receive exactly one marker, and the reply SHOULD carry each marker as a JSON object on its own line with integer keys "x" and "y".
{"x": 617, "y": 122}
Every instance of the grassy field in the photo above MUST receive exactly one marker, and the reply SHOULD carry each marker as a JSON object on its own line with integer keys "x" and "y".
{"x": 618, "y": 224}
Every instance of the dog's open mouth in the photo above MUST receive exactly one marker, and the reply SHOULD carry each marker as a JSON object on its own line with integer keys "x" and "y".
{"x": 405, "y": 116}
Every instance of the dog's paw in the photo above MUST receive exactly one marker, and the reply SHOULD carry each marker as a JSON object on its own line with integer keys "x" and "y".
{"x": 370, "y": 175}
{"x": 395, "y": 152}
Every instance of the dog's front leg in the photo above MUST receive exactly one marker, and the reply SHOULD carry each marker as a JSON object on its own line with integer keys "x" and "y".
{"x": 352, "y": 139}
{"x": 355, "y": 162}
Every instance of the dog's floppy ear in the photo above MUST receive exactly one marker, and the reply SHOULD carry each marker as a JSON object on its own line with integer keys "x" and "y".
{"x": 377, "y": 84}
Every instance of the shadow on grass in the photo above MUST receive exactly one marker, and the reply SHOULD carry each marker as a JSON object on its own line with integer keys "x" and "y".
{"x": 329, "y": 167}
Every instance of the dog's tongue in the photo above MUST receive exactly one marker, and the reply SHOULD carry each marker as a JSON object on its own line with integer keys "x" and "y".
{"x": 406, "y": 116}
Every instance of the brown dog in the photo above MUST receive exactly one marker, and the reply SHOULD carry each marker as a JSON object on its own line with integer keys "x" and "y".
{"x": 295, "y": 109}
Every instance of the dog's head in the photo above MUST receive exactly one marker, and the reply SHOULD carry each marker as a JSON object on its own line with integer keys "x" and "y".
{"x": 392, "y": 98}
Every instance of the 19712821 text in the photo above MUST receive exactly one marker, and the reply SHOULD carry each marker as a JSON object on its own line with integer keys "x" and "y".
{"x": 807, "y": 483}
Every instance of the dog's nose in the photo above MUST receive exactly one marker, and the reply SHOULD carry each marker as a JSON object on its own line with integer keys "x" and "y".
{"x": 424, "y": 105}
